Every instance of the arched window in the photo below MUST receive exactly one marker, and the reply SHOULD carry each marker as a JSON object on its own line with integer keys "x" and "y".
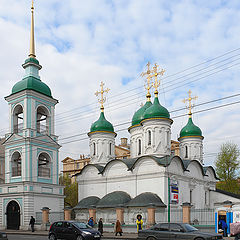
{"x": 16, "y": 164}
{"x": 94, "y": 149}
{"x": 110, "y": 149}
{"x": 149, "y": 138}
{"x": 42, "y": 120}
{"x": 139, "y": 147}
{"x": 18, "y": 119}
{"x": 186, "y": 152}
{"x": 44, "y": 168}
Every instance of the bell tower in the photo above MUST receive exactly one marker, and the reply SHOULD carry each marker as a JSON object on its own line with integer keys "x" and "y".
{"x": 31, "y": 146}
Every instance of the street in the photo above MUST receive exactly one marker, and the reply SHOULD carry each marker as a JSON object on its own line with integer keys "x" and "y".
{"x": 26, "y": 237}
{"x": 30, "y": 237}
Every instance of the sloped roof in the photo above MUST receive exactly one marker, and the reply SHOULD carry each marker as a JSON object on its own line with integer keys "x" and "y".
{"x": 87, "y": 202}
{"x": 145, "y": 200}
{"x": 114, "y": 199}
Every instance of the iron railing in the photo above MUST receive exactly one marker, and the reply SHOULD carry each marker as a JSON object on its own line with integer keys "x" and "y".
{"x": 16, "y": 171}
{"x": 44, "y": 172}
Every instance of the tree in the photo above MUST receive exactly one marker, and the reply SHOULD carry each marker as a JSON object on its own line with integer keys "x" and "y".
{"x": 70, "y": 191}
{"x": 227, "y": 163}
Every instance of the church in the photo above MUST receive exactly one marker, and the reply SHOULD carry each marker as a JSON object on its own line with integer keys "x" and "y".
{"x": 153, "y": 179}
{"x": 31, "y": 149}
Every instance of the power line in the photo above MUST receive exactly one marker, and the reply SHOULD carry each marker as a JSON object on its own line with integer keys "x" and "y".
{"x": 208, "y": 109}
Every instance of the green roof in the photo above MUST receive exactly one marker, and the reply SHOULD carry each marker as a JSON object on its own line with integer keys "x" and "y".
{"x": 138, "y": 115}
{"x": 146, "y": 199}
{"x": 32, "y": 60}
{"x": 87, "y": 202}
{"x": 190, "y": 130}
{"x": 114, "y": 199}
{"x": 156, "y": 111}
{"x": 102, "y": 125}
{"x": 32, "y": 83}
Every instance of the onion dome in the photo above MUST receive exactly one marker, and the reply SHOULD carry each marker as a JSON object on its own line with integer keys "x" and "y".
{"x": 138, "y": 115}
{"x": 156, "y": 111}
{"x": 102, "y": 125}
{"x": 190, "y": 130}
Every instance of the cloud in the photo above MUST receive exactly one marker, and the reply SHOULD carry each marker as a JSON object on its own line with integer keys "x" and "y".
{"x": 79, "y": 44}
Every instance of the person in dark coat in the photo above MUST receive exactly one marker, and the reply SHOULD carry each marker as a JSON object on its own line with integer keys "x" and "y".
{"x": 32, "y": 222}
{"x": 224, "y": 226}
{"x": 118, "y": 228}
{"x": 91, "y": 222}
{"x": 100, "y": 226}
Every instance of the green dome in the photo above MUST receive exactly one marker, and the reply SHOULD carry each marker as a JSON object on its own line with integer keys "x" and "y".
{"x": 156, "y": 111}
{"x": 102, "y": 125}
{"x": 32, "y": 83}
{"x": 138, "y": 115}
{"x": 190, "y": 130}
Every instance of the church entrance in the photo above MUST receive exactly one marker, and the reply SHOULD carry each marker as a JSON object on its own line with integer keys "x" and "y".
{"x": 13, "y": 215}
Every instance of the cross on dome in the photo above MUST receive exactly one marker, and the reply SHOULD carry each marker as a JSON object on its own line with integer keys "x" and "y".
{"x": 157, "y": 81}
{"x": 189, "y": 100}
{"x": 102, "y": 99}
{"x": 148, "y": 85}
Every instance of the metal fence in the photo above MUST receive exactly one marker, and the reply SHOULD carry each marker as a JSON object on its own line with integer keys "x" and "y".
{"x": 38, "y": 217}
{"x": 56, "y": 216}
{"x": 202, "y": 216}
{"x": 53, "y": 217}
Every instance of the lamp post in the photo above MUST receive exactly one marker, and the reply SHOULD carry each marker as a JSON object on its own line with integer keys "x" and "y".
{"x": 169, "y": 199}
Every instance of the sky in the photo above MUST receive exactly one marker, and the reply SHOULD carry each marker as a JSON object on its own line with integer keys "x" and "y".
{"x": 81, "y": 43}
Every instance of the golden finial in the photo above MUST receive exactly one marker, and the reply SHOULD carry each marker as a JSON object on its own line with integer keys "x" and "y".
{"x": 189, "y": 100}
{"x": 156, "y": 83}
{"x": 148, "y": 85}
{"x": 32, "y": 45}
{"x": 102, "y": 100}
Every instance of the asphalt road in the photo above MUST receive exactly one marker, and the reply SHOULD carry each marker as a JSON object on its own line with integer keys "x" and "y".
{"x": 30, "y": 237}
{"x": 26, "y": 237}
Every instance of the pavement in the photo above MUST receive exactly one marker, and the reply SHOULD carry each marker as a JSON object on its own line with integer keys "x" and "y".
{"x": 106, "y": 235}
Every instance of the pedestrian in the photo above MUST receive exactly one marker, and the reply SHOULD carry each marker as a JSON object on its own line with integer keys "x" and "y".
{"x": 118, "y": 228}
{"x": 224, "y": 226}
{"x": 32, "y": 222}
{"x": 139, "y": 222}
{"x": 91, "y": 222}
{"x": 100, "y": 226}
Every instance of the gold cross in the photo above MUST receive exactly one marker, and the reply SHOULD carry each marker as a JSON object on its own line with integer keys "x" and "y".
{"x": 189, "y": 100}
{"x": 149, "y": 78}
{"x": 156, "y": 83}
{"x": 32, "y": 4}
{"x": 102, "y": 100}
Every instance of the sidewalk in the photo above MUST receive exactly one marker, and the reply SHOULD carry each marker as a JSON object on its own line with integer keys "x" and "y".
{"x": 106, "y": 235}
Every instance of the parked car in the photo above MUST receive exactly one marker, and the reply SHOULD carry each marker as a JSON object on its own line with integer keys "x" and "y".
{"x": 169, "y": 231}
{"x": 72, "y": 230}
{"x": 3, "y": 236}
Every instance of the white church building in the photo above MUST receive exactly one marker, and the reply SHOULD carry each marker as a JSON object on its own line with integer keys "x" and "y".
{"x": 152, "y": 178}
{"x": 31, "y": 150}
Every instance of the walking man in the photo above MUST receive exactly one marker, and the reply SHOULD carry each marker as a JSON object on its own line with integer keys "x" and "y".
{"x": 32, "y": 222}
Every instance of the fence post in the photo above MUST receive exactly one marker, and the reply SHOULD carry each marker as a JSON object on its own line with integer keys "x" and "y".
{"x": 186, "y": 212}
{"x": 92, "y": 213}
{"x": 67, "y": 213}
{"x": 45, "y": 217}
{"x": 120, "y": 215}
{"x": 151, "y": 216}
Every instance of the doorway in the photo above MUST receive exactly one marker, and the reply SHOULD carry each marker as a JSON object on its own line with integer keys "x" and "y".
{"x": 13, "y": 215}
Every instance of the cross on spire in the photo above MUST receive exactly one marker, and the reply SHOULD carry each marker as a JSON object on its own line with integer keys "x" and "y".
{"x": 189, "y": 100}
{"x": 148, "y": 85}
{"x": 102, "y": 99}
{"x": 157, "y": 73}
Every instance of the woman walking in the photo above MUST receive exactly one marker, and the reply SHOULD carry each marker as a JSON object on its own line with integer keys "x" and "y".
{"x": 100, "y": 226}
{"x": 118, "y": 228}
